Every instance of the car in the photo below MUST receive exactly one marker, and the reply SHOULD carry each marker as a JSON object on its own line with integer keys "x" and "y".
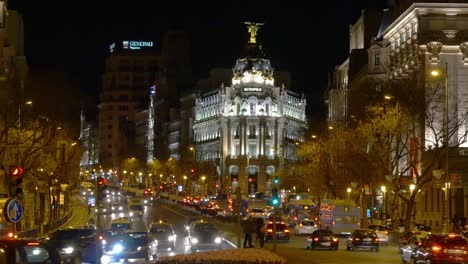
{"x": 363, "y": 238}
{"x": 282, "y": 231}
{"x": 136, "y": 210}
{"x": 305, "y": 227}
{"x": 27, "y": 251}
{"x": 441, "y": 248}
{"x": 102, "y": 209}
{"x": 76, "y": 244}
{"x": 257, "y": 213}
{"x": 117, "y": 207}
{"x": 382, "y": 233}
{"x": 130, "y": 245}
{"x": 164, "y": 234}
{"x": 189, "y": 221}
{"x": 122, "y": 224}
{"x": 204, "y": 235}
{"x": 322, "y": 238}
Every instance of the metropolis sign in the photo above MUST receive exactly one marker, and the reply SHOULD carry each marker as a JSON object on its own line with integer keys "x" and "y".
{"x": 136, "y": 45}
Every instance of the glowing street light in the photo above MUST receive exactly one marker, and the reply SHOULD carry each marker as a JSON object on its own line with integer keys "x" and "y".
{"x": 348, "y": 191}
{"x": 383, "y": 188}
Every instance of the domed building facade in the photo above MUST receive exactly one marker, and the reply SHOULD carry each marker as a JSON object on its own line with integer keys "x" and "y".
{"x": 248, "y": 129}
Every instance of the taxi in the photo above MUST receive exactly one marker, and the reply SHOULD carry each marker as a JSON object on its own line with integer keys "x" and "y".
{"x": 27, "y": 251}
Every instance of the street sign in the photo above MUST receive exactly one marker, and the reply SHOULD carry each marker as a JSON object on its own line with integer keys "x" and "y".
{"x": 13, "y": 210}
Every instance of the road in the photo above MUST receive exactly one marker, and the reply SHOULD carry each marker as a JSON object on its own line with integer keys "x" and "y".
{"x": 294, "y": 250}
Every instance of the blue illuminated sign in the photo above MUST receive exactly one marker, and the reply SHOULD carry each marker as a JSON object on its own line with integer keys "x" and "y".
{"x": 136, "y": 45}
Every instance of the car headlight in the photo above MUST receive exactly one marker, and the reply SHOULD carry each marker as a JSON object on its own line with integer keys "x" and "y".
{"x": 145, "y": 201}
{"x": 113, "y": 208}
{"x": 130, "y": 214}
{"x": 194, "y": 240}
{"x": 67, "y": 250}
{"x": 95, "y": 210}
{"x": 117, "y": 248}
{"x": 91, "y": 193}
{"x": 104, "y": 242}
{"x": 84, "y": 193}
{"x": 120, "y": 207}
{"x": 141, "y": 248}
{"x": 170, "y": 238}
{"x": 187, "y": 228}
{"x": 218, "y": 240}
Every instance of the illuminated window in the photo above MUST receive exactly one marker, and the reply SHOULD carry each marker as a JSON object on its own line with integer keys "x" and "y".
{"x": 252, "y": 108}
{"x": 377, "y": 59}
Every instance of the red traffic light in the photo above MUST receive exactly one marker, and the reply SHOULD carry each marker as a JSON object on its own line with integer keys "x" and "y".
{"x": 15, "y": 171}
{"x": 192, "y": 171}
{"x": 101, "y": 181}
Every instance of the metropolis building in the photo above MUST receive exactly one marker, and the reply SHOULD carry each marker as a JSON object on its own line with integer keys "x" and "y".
{"x": 249, "y": 128}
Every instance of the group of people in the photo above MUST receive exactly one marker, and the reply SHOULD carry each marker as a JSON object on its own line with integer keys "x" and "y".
{"x": 255, "y": 226}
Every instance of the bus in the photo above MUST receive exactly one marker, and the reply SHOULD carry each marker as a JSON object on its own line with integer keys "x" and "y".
{"x": 342, "y": 217}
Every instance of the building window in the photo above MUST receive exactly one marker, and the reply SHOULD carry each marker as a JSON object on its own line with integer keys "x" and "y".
{"x": 376, "y": 59}
{"x": 252, "y": 131}
{"x": 252, "y": 150}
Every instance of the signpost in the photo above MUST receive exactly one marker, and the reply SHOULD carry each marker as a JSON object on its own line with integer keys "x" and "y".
{"x": 13, "y": 211}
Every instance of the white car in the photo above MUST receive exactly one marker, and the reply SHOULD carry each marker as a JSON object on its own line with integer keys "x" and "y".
{"x": 257, "y": 213}
{"x": 305, "y": 227}
{"x": 382, "y": 233}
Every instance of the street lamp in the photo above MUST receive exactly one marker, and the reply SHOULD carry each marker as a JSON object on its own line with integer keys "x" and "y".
{"x": 383, "y": 188}
{"x": 348, "y": 191}
{"x": 203, "y": 178}
{"x": 412, "y": 187}
{"x": 445, "y": 222}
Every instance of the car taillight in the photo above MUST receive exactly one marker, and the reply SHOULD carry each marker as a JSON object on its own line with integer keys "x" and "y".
{"x": 386, "y": 232}
{"x": 376, "y": 239}
{"x": 286, "y": 231}
{"x": 316, "y": 239}
{"x": 269, "y": 230}
{"x": 436, "y": 248}
{"x": 335, "y": 239}
{"x": 357, "y": 238}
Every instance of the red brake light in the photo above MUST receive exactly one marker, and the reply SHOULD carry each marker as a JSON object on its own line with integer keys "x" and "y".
{"x": 335, "y": 239}
{"x": 11, "y": 235}
{"x": 316, "y": 239}
{"x": 286, "y": 231}
{"x": 269, "y": 230}
{"x": 357, "y": 238}
{"x": 33, "y": 244}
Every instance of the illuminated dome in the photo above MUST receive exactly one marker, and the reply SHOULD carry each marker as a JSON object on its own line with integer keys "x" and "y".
{"x": 254, "y": 68}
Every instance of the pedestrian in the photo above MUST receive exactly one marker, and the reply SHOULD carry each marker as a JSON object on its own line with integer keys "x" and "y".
{"x": 247, "y": 228}
{"x": 260, "y": 230}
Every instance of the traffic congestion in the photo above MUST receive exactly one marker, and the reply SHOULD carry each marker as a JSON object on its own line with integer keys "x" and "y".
{"x": 126, "y": 226}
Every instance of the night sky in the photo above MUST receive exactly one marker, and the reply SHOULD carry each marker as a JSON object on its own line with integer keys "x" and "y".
{"x": 68, "y": 40}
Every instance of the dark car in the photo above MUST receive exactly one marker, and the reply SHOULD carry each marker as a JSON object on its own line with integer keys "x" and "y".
{"x": 441, "y": 248}
{"x": 136, "y": 210}
{"x": 189, "y": 221}
{"x": 363, "y": 238}
{"x": 164, "y": 234}
{"x": 76, "y": 244}
{"x": 322, "y": 239}
{"x": 204, "y": 235}
{"x": 130, "y": 245}
{"x": 282, "y": 231}
{"x": 102, "y": 209}
{"x": 27, "y": 251}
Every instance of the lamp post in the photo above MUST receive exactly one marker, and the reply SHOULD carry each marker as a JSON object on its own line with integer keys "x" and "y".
{"x": 412, "y": 187}
{"x": 348, "y": 192}
{"x": 445, "y": 222}
{"x": 203, "y": 178}
{"x": 383, "y": 188}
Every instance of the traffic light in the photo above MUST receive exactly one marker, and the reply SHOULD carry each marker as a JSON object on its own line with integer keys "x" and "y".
{"x": 16, "y": 173}
{"x": 193, "y": 174}
{"x": 275, "y": 202}
{"x": 276, "y": 180}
